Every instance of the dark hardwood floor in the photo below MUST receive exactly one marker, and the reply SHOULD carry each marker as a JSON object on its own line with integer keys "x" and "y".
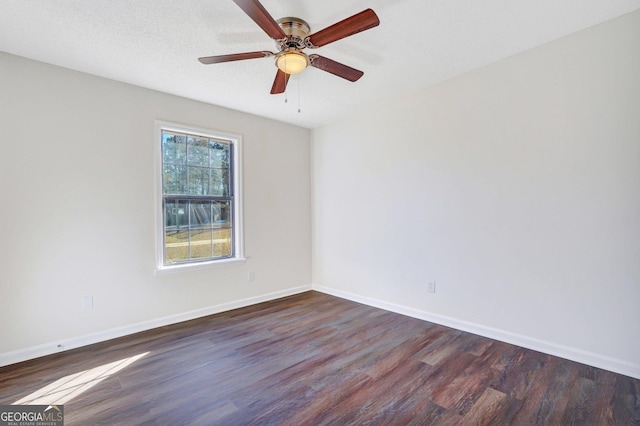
{"x": 314, "y": 359}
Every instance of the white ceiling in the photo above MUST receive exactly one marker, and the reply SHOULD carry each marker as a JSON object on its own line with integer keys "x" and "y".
{"x": 156, "y": 43}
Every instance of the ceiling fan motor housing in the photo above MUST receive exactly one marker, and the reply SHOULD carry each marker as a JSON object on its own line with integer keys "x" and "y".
{"x": 296, "y": 30}
{"x": 294, "y": 26}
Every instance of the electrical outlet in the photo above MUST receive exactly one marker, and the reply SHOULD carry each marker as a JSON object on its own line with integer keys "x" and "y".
{"x": 431, "y": 286}
{"x": 251, "y": 276}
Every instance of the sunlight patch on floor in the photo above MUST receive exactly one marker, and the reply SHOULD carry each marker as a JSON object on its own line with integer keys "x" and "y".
{"x": 63, "y": 390}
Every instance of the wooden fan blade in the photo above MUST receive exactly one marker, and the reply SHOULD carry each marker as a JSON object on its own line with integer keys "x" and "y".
{"x": 234, "y": 57}
{"x": 280, "y": 83}
{"x": 335, "y": 68}
{"x": 352, "y": 25}
{"x": 260, "y": 16}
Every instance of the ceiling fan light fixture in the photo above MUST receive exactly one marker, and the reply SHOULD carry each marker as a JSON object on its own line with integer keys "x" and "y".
{"x": 292, "y": 61}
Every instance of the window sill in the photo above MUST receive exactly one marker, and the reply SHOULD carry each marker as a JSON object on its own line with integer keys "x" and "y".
{"x": 197, "y": 266}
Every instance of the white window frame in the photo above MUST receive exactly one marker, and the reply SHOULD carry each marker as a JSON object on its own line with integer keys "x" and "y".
{"x": 238, "y": 223}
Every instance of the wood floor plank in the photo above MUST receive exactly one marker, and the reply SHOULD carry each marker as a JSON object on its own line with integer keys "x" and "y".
{"x": 320, "y": 360}
{"x": 486, "y": 407}
{"x": 626, "y": 402}
{"x": 463, "y": 391}
{"x": 523, "y": 371}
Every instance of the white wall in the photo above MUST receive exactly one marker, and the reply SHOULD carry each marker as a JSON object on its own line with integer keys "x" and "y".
{"x": 77, "y": 210}
{"x": 515, "y": 187}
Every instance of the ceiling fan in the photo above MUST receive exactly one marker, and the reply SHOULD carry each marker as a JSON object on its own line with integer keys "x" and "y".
{"x": 292, "y": 36}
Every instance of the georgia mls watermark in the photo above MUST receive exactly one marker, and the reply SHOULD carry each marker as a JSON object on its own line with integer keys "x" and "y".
{"x": 31, "y": 415}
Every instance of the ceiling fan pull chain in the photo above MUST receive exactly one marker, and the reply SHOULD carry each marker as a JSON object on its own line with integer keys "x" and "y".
{"x": 299, "y": 78}
{"x": 285, "y": 88}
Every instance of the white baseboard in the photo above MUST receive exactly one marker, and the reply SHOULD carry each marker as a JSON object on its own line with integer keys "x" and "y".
{"x": 589, "y": 358}
{"x": 76, "y": 342}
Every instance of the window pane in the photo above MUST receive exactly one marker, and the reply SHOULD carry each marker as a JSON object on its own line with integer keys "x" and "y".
{"x": 200, "y": 214}
{"x": 198, "y": 180}
{"x": 200, "y": 243}
{"x": 222, "y": 242}
{"x": 174, "y": 179}
{"x": 175, "y": 215}
{"x": 222, "y": 214}
{"x": 176, "y": 246}
{"x": 197, "y": 151}
{"x": 219, "y": 182}
{"x": 174, "y": 148}
{"x": 219, "y": 155}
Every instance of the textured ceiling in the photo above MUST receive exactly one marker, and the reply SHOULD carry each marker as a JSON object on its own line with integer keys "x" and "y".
{"x": 156, "y": 43}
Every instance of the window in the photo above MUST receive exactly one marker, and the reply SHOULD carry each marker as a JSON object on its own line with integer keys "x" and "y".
{"x": 199, "y": 220}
